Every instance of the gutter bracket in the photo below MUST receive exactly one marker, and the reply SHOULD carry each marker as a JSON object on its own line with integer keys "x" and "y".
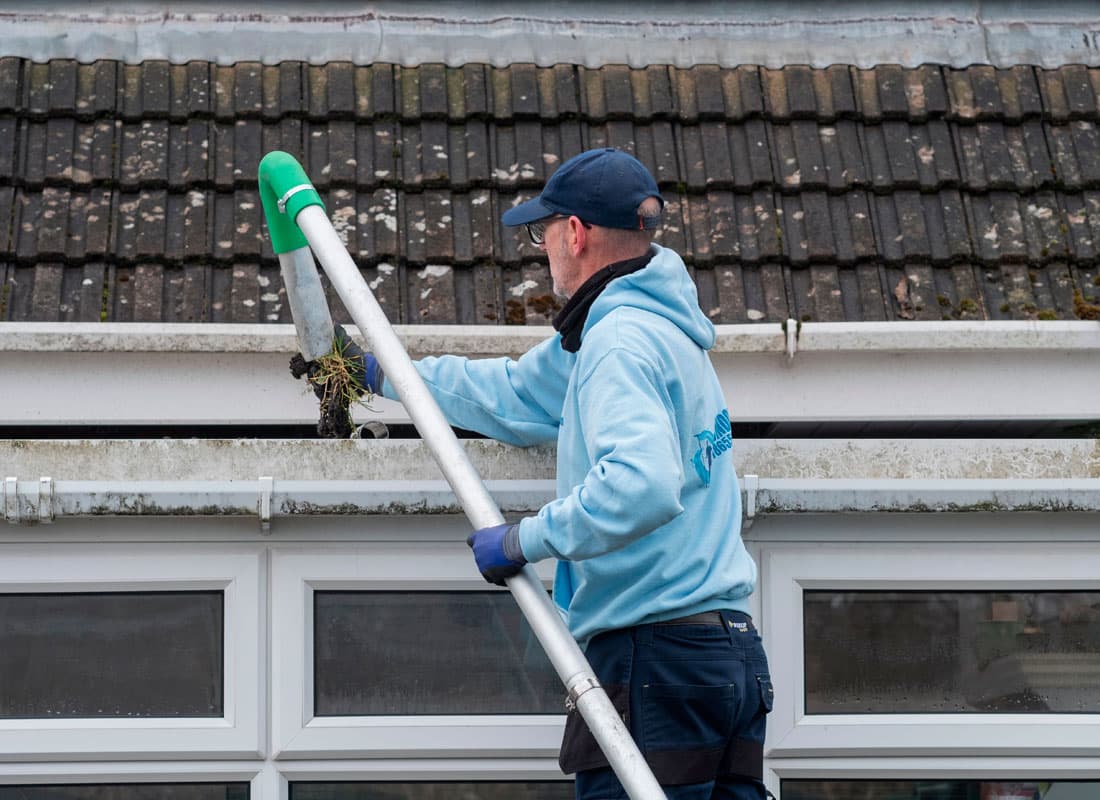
{"x": 792, "y": 328}
{"x": 11, "y": 500}
{"x": 752, "y": 486}
{"x": 267, "y": 487}
{"x": 45, "y": 500}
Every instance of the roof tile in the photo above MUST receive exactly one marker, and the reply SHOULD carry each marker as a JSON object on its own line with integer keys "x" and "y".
{"x": 683, "y": 92}
{"x": 221, "y": 151}
{"x": 1082, "y": 215}
{"x": 383, "y": 90}
{"x": 802, "y": 97}
{"x": 28, "y": 209}
{"x": 1080, "y": 99}
{"x": 970, "y": 158}
{"x": 72, "y": 153}
{"x": 866, "y": 92}
{"x": 776, "y": 103}
{"x": 525, "y": 95}
{"x": 143, "y": 158}
{"x": 710, "y": 92}
{"x": 901, "y": 155}
{"x": 892, "y": 96}
{"x": 843, "y": 91}
{"x": 862, "y": 287}
{"x": 567, "y": 90}
{"x": 407, "y": 80}
{"x": 46, "y": 294}
{"x": 96, "y": 89}
{"x": 473, "y": 83}
{"x": 995, "y": 154}
{"x": 224, "y": 94}
{"x": 1053, "y": 93}
{"x": 51, "y": 228}
{"x": 1086, "y": 145}
{"x": 148, "y": 292}
{"x": 99, "y": 222}
{"x": 808, "y": 150}
{"x": 341, "y": 97}
{"x": 433, "y": 95}
{"x": 618, "y": 93}
{"x": 63, "y": 86}
{"x": 960, "y": 93}
{"x": 1060, "y": 143}
{"x": 987, "y": 92}
{"x": 785, "y": 158}
{"x": 11, "y": 71}
{"x": 1043, "y": 228}
{"x": 282, "y": 92}
{"x": 37, "y": 90}
{"x": 432, "y": 294}
{"x": 593, "y": 104}
{"x": 7, "y": 233}
{"x": 819, "y": 228}
{"x": 652, "y": 93}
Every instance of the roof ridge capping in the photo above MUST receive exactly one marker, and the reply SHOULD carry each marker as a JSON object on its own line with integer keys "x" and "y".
{"x": 409, "y": 32}
{"x": 495, "y": 340}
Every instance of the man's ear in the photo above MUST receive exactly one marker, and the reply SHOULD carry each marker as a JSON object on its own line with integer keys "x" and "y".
{"x": 578, "y": 236}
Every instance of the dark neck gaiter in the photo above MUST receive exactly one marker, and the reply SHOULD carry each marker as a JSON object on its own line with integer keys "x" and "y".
{"x": 570, "y": 320}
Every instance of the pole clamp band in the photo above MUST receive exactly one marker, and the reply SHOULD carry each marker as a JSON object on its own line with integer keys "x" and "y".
{"x": 586, "y": 684}
{"x": 293, "y": 190}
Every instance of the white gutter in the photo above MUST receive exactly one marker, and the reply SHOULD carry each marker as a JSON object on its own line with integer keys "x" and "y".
{"x": 44, "y": 500}
{"x": 498, "y": 340}
{"x": 175, "y": 374}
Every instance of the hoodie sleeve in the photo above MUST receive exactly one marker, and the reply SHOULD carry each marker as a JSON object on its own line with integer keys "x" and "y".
{"x": 515, "y": 401}
{"x": 634, "y": 484}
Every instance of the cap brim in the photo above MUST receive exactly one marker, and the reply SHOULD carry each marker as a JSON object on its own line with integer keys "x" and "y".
{"x": 531, "y": 211}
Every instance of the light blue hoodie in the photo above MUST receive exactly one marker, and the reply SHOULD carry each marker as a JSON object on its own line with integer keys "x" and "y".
{"x": 646, "y": 526}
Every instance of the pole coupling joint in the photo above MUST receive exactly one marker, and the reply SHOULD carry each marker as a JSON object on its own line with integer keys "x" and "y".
{"x": 585, "y": 684}
{"x": 293, "y": 190}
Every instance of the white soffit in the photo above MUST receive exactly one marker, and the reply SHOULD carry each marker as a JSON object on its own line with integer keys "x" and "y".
{"x": 162, "y": 374}
{"x": 771, "y": 33}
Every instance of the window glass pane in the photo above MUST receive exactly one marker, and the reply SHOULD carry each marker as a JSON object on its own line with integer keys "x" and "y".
{"x": 940, "y": 790}
{"x": 128, "y": 791}
{"x": 483, "y": 790}
{"x": 132, "y": 654}
{"x": 428, "y": 653}
{"x": 952, "y": 652}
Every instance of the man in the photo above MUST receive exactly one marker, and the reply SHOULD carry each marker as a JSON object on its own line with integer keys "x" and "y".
{"x": 652, "y": 575}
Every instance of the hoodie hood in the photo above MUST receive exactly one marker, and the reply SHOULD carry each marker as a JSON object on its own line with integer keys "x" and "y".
{"x": 662, "y": 287}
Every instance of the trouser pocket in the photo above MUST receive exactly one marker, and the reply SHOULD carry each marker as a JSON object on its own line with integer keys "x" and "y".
{"x": 579, "y": 749}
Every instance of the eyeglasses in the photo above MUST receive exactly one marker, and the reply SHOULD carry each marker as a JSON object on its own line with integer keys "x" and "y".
{"x": 537, "y": 230}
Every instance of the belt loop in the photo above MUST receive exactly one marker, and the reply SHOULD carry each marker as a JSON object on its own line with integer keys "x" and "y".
{"x": 643, "y": 634}
{"x": 728, "y": 623}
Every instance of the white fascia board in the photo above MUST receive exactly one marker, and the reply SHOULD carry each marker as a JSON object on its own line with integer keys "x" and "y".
{"x": 406, "y": 460}
{"x": 44, "y": 500}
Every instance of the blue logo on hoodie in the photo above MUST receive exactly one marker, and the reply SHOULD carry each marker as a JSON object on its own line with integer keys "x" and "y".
{"x": 711, "y": 445}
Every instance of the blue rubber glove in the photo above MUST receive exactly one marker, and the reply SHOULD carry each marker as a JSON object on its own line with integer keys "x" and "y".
{"x": 497, "y": 552}
{"x": 363, "y": 368}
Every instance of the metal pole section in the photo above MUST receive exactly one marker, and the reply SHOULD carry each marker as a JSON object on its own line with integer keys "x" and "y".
{"x": 591, "y": 700}
{"x": 308, "y": 306}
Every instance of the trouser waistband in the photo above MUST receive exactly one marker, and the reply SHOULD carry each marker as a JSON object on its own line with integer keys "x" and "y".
{"x": 735, "y": 619}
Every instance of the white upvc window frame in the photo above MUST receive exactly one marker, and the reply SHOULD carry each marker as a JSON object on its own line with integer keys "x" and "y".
{"x": 297, "y": 571}
{"x": 790, "y": 568}
{"x": 235, "y": 570}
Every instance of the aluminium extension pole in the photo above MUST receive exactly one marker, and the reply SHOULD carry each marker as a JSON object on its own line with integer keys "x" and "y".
{"x": 296, "y": 219}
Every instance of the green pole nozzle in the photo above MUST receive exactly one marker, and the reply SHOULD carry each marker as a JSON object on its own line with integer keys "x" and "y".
{"x": 284, "y": 191}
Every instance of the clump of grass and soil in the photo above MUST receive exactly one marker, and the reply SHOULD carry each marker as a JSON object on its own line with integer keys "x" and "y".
{"x": 338, "y": 379}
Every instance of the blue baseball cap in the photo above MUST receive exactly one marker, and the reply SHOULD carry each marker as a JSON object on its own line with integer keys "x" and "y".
{"x": 603, "y": 187}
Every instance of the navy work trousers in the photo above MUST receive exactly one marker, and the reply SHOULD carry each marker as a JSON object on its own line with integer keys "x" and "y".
{"x": 694, "y": 696}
